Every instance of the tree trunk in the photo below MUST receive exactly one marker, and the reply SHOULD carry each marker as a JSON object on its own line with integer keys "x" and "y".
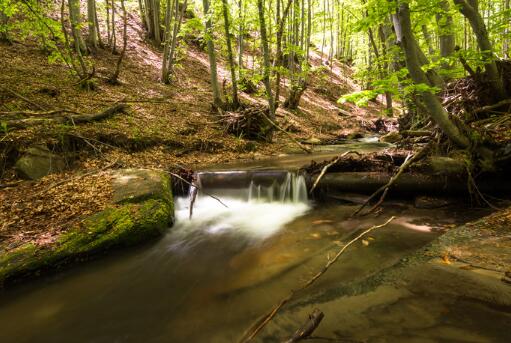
{"x": 92, "y": 37}
{"x": 4, "y": 32}
{"x": 469, "y": 9}
{"x": 217, "y": 100}
{"x": 167, "y": 38}
{"x": 445, "y": 32}
{"x": 230, "y": 55}
{"x": 266, "y": 58}
{"x": 278, "y": 58}
{"x": 409, "y": 45}
{"x": 115, "y": 76}
{"x": 75, "y": 19}
{"x": 505, "y": 44}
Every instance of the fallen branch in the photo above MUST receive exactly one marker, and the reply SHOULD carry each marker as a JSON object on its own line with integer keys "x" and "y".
{"x": 494, "y": 106}
{"x": 27, "y": 100}
{"x": 410, "y": 159}
{"x": 78, "y": 118}
{"x": 265, "y": 319}
{"x": 325, "y": 168}
{"x": 308, "y": 327}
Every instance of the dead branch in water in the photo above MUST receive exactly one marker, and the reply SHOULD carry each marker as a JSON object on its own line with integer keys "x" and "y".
{"x": 196, "y": 187}
{"x": 308, "y": 327}
{"x": 410, "y": 159}
{"x": 265, "y": 319}
{"x": 325, "y": 168}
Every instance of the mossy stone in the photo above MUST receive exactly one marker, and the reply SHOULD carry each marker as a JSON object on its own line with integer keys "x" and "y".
{"x": 122, "y": 226}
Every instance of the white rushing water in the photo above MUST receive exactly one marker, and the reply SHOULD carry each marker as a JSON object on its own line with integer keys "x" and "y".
{"x": 253, "y": 205}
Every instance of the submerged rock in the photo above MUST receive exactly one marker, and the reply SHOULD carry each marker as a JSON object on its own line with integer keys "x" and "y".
{"x": 144, "y": 210}
{"x": 37, "y": 162}
{"x": 430, "y": 202}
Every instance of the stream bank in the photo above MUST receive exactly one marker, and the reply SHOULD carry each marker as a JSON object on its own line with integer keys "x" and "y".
{"x": 454, "y": 289}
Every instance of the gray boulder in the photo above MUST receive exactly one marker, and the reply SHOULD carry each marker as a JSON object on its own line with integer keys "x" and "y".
{"x": 37, "y": 162}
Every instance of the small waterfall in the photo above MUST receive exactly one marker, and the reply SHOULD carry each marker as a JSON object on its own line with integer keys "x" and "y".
{"x": 253, "y": 186}
{"x": 251, "y": 204}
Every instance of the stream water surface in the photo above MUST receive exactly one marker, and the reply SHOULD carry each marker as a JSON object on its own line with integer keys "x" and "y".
{"x": 211, "y": 276}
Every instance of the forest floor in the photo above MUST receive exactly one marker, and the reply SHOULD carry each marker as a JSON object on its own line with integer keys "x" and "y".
{"x": 166, "y": 126}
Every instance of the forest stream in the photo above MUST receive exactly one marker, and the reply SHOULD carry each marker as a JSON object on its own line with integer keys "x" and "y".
{"x": 253, "y": 236}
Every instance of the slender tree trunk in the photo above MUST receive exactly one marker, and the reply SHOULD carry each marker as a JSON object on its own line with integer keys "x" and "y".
{"x": 75, "y": 19}
{"x": 179, "y": 16}
{"x": 108, "y": 24}
{"x": 92, "y": 37}
{"x": 98, "y": 31}
{"x": 115, "y": 77}
{"x": 4, "y": 31}
{"x": 114, "y": 35}
{"x": 409, "y": 45}
{"x": 156, "y": 22}
{"x": 446, "y": 32}
{"x": 505, "y": 44}
{"x": 278, "y": 58}
{"x": 217, "y": 100}
{"x": 266, "y": 58}
{"x": 427, "y": 38}
{"x": 230, "y": 55}
{"x": 240, "y": 37}
{"x": 167, "y": 38}
{"x": 469, "y": 9}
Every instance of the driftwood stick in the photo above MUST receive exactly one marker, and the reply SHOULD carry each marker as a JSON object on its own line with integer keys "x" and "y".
{"x": 308, "y": 327}
{"x": 265, "y": 319}
{"x": 325, "y": 168}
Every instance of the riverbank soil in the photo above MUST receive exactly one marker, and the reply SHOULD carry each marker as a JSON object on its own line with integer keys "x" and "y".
{"x": 455, "y": 289}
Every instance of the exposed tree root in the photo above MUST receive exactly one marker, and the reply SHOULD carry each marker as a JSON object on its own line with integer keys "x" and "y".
{"x": 265, "y": 319}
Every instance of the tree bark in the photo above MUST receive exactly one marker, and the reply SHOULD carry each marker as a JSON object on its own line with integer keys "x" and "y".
{"x": 445, "y": 32}
{"x": 230, "y": 55}
{"x": 75, "y": 19}
{"x": 92, "y": 37}
{"x": 217, "y": 100}
{"x": 266, "y": 58}
{"x": 409, "y": 45}
{"x": 469, "y": 9}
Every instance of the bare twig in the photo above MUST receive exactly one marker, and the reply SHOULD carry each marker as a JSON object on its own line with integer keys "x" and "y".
{"x": 325, "y": 168}
{"x": 410, "y": 159}
{"x": 197, "y": 187}
{"x": 265, "y": 319}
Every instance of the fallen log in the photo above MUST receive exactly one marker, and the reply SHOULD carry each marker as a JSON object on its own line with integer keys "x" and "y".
{"x": 60, "y": 118}
{"x": 409, "y": 183}
{"x": 308, "y": 327}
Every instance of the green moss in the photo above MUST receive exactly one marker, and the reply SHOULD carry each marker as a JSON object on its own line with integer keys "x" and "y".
{"x": 112, "y": 228}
